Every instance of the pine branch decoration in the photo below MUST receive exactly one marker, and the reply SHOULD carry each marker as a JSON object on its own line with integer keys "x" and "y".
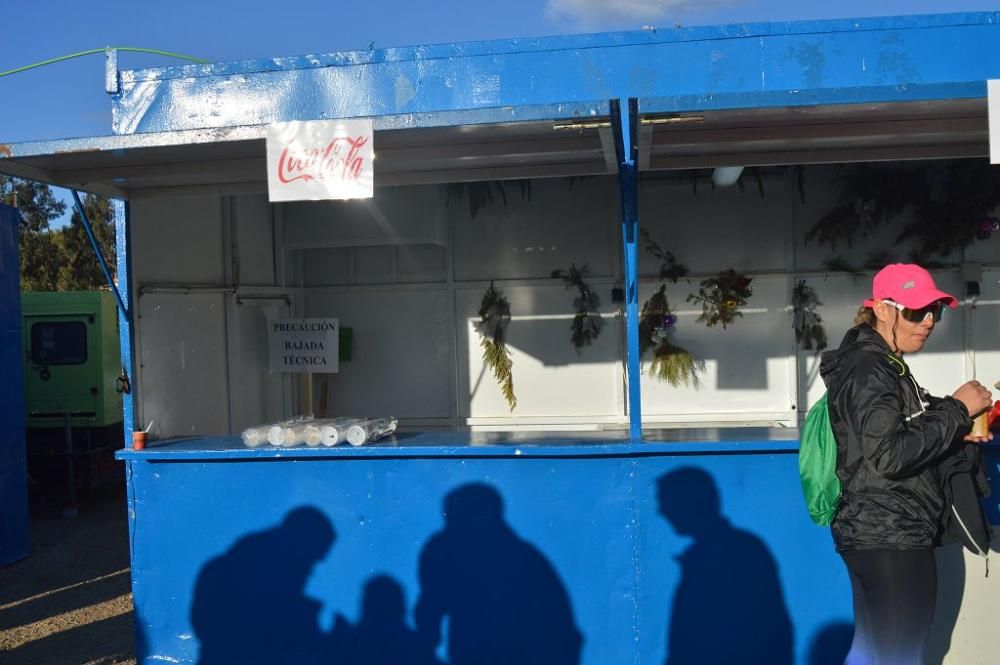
{"x": 494, "y": 317}
{"x": 809, "y": 332}
{"x": 722, "y": 297}
{"x": 671, "y": 363}
{"x": 587, "y": 323}
{"x": 670, "y": 269}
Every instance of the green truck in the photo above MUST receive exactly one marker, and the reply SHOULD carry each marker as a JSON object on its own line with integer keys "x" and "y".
{"x": 73, "y": 405}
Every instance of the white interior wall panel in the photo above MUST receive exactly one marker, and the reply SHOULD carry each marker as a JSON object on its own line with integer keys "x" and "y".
{"x": 396, "y": 215}
{"x": 551, "y": 381}
{"x": 714, "y": 230}
{"x": 749, "y": 367}
{"x": 986, "y": 329}
{"x": 401, "y": 360}
{"x": 255, "y": 238}
{"x": 374, "y": 265}
{"x": 326, "y": 266}
{"x": 258, "y": 396}
{"x": 529, "y": 238}
{"x": 985, "y": 251}
{"x": 182, "y": 355}
{"x": 421, "y": 263}
{"x": 178, "y": 241}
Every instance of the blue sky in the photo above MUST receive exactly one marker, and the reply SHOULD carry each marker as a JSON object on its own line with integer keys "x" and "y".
{"x": 67, "y": 99}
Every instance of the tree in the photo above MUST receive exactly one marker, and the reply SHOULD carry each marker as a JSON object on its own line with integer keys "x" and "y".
{"x": 58, "y": 259}
{"x": 79, "y": 268}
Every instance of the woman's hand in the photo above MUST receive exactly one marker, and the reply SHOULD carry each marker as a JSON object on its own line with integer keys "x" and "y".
{"x": 978, "y": 439}
{"x": 975, "y": 396}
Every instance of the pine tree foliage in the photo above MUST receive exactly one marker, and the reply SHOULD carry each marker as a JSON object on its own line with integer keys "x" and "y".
{"x": 58, "y": 259}
{"x": 945, "y": 202}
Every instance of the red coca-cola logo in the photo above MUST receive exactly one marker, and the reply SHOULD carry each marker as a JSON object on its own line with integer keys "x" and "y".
{"x": 340, "y": 159}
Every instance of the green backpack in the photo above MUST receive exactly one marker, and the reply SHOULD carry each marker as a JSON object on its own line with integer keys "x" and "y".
{"x": 818, "y": 464}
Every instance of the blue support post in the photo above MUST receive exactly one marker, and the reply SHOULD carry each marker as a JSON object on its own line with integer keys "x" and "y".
{"x": 14, "y": 541}
{"x": 100, "y": 254}
{"x": 123, "y": 242}
{"x": 625, "y": 119}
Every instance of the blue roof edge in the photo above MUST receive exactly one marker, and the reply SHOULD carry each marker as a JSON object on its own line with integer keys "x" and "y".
{"x": 562, "y": 42}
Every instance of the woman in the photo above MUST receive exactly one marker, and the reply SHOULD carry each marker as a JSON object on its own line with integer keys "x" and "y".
{"x": 891, "y": 438}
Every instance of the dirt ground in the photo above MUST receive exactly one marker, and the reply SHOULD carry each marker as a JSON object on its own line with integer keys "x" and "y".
{"x": 70, "y": 602}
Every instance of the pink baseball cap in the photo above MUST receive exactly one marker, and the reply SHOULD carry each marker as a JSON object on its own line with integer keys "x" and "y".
{"x": 909, "y": 285}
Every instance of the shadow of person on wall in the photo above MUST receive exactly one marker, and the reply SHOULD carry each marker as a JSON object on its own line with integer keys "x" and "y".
{"x": 249, "y": 603}
{"x": 831, "y": 644}
{"x": 381, "y": 636}
{"x": 503, "y": 600}
{"x": 729, "y": 606}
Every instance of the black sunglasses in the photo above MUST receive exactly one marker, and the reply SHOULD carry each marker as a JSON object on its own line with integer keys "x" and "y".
{"x": 919, "y": 315}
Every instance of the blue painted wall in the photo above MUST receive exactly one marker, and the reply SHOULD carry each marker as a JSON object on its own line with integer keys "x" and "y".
{"x": 739, "y": 66}
{"x": 554, "y": 560}
{"x": 13, "y": 461}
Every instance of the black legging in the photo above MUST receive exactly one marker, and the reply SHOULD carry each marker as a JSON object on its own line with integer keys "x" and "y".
{"x": 894, "y": 596}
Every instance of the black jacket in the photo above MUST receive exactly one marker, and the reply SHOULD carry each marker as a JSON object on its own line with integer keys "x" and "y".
{"x": 891, "y": 436}
{"x": 964, "y": 482}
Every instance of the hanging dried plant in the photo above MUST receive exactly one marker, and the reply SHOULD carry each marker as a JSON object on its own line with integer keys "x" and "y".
{"x": 587, "y": 323}
{"x": 485, "y": 193}
{"x": 670, "y": 363}
{"x": 494, "y": 317}
{"x": 809, "y": 332}
{"x": 670, "y": 269}
{"x": 722, "y": 297}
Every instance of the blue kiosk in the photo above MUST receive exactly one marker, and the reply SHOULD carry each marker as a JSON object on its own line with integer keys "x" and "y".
{"x": 609, "y": 518}
{"x": 14, "y": 544}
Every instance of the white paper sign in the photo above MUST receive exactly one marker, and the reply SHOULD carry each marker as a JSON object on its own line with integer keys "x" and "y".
{"x": 304, "y": 345}
{"x": 993, "y": 95}
{"x": 320, "y": 159}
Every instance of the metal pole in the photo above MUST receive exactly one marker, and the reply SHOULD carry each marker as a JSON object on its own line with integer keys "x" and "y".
{"x": 100, "y": 254}
{"x": 70, "y": 509}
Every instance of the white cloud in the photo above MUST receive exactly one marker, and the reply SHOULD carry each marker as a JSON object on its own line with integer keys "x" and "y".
{"x": 628, "y": 13}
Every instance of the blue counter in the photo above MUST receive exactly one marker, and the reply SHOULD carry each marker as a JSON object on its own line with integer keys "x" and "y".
{"x": 481, "y": 548}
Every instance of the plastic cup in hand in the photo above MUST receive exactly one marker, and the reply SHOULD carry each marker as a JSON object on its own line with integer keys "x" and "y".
{"x": 981, "y": 425}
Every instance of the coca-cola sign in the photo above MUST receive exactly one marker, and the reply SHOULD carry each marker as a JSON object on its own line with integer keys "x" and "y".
{"x": 320, "y": 159}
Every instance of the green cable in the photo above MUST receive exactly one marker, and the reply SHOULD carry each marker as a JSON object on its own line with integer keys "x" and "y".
{"x": 101, "y": 50}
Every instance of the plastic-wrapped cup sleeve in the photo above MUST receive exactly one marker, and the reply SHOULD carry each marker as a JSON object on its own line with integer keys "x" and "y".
{"x": 356, "y": 435}
{"x": 329, "y": 436}
{"x": 313, "y": 436}
{"x": 254, "y": 436}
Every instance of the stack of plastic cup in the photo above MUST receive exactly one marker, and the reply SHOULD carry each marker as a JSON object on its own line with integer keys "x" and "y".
{"x": 288, "y": 436}
{"x": 335, "y": 431}
{"x": 367, "y": 431}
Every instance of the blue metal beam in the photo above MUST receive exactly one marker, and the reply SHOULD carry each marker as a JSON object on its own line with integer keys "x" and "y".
{"x": 100, "y": 253}
{"x": 625, "y": 120}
